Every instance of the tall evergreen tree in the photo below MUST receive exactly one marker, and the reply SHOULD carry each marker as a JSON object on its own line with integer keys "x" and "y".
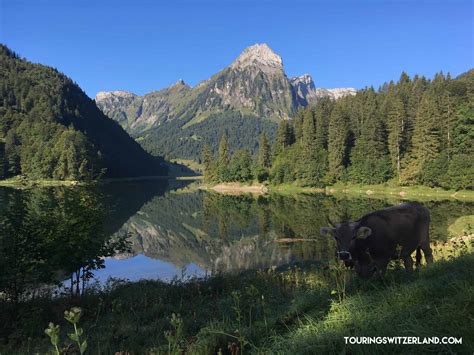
{"x": 240, "y": 167}
{"x": 224, "y": 159}
{"x": 338, "y": 135}
{"x": 308, "y": 139}
{"x": 208, "y": 163}
{"x": 285, "y": 137}
{"x": 312, "y": 162}
{"x": 419, "y": 86}
{"x": 369, "y": 159}
{"x": 324, "y": 107}
{"x": 264, "y": 152}
{"x": 446, "y": 107}
{"x": 297, "y": 122}
{"x": 396, "y": 126}
{"x": 426, "y": 138}
{"x": 461, "y": 164}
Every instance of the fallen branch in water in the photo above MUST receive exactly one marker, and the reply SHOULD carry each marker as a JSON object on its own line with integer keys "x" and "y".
{"x": 294, "y": 240}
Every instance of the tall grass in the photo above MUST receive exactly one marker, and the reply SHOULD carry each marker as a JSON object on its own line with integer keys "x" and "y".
{"x": 304, "y": 308}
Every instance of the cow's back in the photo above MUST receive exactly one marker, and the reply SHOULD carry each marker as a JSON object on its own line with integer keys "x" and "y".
{"x": 398, "y": 224}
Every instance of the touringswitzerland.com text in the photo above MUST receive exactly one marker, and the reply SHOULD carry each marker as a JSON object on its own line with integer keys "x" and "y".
{"x": 403, "y": 340}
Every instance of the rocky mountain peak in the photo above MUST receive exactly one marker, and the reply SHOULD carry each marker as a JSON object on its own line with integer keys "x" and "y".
{"x": 260, "y": 55}
{"x": 304, "y": 79}
{"x": 307, "y": 92}
{"x": 104, "y": 95}
{"x": 179, "y": 82}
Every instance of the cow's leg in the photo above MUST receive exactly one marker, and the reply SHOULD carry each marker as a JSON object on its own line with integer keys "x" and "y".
{"x": 418, "y": 257}
{"x": 425, "y": 242}
{"x": 427, "y": 252}
{"x": 405, "y": 255}
{"x": 408, "y": 262}
{"x": 381, "y": 265}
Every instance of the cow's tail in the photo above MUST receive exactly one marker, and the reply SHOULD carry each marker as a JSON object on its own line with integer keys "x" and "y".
{"x": 418, "y": 256}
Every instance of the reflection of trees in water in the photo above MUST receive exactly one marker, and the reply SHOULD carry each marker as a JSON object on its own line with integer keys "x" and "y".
{"x": 55, "y": 233}
{"x": 220, "y": 232}
{"x": 46, "y": 233}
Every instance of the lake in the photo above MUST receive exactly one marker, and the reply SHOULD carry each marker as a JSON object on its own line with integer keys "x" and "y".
{"x": 173, "y": 230}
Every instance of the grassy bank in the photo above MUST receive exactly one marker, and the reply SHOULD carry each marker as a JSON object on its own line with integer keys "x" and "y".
{"x": 406, "y": 192}
{"x": 298, "y": 309}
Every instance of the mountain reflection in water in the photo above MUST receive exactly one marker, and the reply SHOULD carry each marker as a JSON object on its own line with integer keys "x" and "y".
{"x": 218, "y": 233}
{"x": 175, "y": 231}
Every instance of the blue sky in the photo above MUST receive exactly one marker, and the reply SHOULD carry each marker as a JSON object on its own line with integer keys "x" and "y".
{"x": 141, "y": 46}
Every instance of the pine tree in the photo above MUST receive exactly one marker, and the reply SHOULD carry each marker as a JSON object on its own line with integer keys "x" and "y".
{"x": 369, "y": 159}
{"x": 396, "y": 126}
{"x": 240, "y": 167}
{"x": 312, "y": 162}
{"x": 208, "y": 163}
{"x": 285, "y": 137}
{"x": 419, "y": 86}
{"x": 324, "y": 107}
{"x": 426, "y": 139}
{"x": 298, "y": 123}
{"x": 461, "y": 164}
{"x": 224, "y": 158}
{"x": 264, "y": 152}
{"x": 338, "y": 135}
{"x": 446, "y": 108}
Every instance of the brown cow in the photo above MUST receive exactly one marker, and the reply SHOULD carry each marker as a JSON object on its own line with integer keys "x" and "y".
{"x": 371, "y": 242}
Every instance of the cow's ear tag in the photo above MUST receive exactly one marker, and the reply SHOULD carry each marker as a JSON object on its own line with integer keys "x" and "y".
{"x": 326, "y": 231}
{"x": 363, "y": 232}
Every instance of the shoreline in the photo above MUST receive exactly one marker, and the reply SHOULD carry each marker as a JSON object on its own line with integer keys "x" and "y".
{"x": 236, "y": 188}
{"x": 375, "y": 191}
{"x": 25, "y": 184}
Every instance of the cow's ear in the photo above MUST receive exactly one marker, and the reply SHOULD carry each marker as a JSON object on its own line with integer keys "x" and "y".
{"x": 326, "y": 231}
{"x": 363, "y": 232}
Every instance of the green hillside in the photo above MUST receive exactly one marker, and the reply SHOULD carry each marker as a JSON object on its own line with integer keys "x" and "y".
{"x": 53, "y": 130}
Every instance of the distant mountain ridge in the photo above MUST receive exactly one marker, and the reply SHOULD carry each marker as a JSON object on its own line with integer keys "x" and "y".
{"x": 255, "y": 85}
{"x": 308, "y": 93}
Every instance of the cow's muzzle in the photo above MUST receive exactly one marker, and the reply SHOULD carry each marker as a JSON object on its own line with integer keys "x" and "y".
{"x": 344, "y": 255}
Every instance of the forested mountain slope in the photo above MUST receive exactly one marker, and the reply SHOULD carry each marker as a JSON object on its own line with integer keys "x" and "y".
{"x": 52, "y": 129}
{"x": 414, "y": 131}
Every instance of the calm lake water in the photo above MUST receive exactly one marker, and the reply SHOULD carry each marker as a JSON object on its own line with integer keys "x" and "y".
{"x": 176, "y": 232}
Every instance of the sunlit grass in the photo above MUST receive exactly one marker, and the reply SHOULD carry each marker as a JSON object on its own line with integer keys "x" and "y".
{"x": 305, "y": 308}
{"x": 388, "y": 190}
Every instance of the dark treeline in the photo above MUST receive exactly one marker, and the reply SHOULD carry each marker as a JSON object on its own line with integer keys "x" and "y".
{"x": 415, "y": 131}
{"x": 50, "y": 129}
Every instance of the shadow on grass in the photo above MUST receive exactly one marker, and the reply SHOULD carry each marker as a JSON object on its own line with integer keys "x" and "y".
{"x": 299, "y": 309}
{"x": 436, "y": 302}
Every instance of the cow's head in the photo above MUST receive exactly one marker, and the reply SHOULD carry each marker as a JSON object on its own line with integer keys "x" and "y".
{"x": 347, "y": 234}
